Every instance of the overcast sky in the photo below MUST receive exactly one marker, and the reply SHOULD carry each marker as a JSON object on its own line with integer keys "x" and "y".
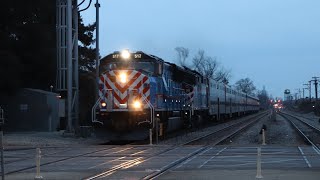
{"x": 275, "y": 43}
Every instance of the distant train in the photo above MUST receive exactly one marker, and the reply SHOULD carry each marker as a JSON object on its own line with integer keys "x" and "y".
{"x": 139, "y": 91}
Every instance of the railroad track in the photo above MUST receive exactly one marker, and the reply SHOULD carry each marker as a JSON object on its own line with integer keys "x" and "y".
{"x": 220, "y": 135}
{"x": 63, "y": 158}
{"x": 137, "y": 159}
{"x": 227, "y": 132}
{"x": 224, "y": 133}
{"x": 308, "y": 132}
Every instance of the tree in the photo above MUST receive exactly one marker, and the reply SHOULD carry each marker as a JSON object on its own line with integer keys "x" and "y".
{"x": 183, "y": 54}
{"x": 86, "y": 51}
{"x": 263, "y": 98}
{"x": 246, "y": 86}
{"x": 28, "y": 43}
{"x": 87, "y": 80}
{"x": 210, "y": 67}
{"x": 10, "y": 66}
{"x": 223, "y": 76}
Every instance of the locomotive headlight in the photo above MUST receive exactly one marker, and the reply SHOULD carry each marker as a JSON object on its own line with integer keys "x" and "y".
{"x": 103, "y": 104}
{"x": 125, "y": 54}
{"x": 137, "y": 104}
{"x": 123, "y": 77}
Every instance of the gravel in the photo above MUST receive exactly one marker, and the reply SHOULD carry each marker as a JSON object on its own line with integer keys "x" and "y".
{"x": 309, "y": 117}
{"x": 194, "y": 134}
{"x": 278, "y": 132}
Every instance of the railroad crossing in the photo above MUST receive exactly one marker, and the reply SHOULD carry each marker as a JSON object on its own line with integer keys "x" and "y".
{"x": 147, "y": 162}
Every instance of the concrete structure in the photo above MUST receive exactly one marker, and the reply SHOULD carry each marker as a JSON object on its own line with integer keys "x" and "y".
{"x": 31, "y": 110}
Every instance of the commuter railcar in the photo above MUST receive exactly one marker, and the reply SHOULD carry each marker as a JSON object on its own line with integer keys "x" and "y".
{"x": 139, "y": 91}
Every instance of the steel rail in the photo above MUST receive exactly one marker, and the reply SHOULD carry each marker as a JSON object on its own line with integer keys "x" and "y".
{"x": 304, "y": 136}
{"x": 55, "y": 161}
{"x": 246, "y": 124}
{"x": 203, "y": 149}
{"x": 168, "y": 167}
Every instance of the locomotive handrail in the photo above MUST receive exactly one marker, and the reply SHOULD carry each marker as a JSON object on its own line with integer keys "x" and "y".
{"x": 151, "y": 108}
{"x": 93, "y": 112}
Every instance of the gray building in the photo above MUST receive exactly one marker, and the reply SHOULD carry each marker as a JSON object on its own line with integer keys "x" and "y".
{"x": 32, "y": 110}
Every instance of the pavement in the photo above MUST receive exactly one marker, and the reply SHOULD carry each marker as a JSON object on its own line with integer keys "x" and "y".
{"x": 217, "y": 162}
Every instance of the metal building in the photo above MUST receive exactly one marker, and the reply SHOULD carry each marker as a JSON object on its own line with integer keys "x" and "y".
{"x": 32, "y": 110}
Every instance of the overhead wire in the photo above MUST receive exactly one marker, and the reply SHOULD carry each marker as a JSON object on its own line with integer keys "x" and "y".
{"x": 81, "y": 3}
{"x": 86, "y": 7}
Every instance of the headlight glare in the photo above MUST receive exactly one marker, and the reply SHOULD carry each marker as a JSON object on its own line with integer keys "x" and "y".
{"x": 123, "y": 77}
{"x": 136, "y": 104}
{"x": 125, "y": 54}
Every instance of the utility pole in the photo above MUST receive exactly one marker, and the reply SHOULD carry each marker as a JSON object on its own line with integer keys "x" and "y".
{"x": 310, "y": 90}
{"x": 298, "y": 94}
{"x": 303, "y": 91}
{"x": 1, "y": 141}
{"x": 97, "y": 5}
{"x": 308, "y": 87}
{"x": 315, "y": 79}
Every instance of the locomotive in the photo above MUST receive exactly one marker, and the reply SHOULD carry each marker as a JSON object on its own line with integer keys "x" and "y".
{"x": 139, "y": 91}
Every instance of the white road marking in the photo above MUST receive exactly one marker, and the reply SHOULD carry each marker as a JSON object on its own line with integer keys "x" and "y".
{"x": 316, "y": 150}
{"x": 139, "y": 152}
{"x": 192, "y": 158}
{"x": 250, "y": 163}
{"x": 304, "y": 157}
{"x": 212, "y": 158}
{"x": 101, "y": 164}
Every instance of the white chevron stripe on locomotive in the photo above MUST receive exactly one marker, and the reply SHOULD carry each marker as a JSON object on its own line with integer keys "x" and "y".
{"x": 125, "y": 93}
{"x": 132, "y": 84}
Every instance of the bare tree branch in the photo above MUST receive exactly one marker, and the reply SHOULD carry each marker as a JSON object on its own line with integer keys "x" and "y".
{"x": 263, "y": 98}
{"x": 198, "y": 60}
{"x": 209, "y": 67}
{"x": 183, "y": 54}
{"x": 223, "y": 76}
{"x": 246, "y": 86}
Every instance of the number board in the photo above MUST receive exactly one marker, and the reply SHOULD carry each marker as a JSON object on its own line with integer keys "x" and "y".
{"x": 134, "y": 55}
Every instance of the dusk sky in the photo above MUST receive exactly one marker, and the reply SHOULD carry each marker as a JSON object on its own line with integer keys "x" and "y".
{"x": 275, "y": 43}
